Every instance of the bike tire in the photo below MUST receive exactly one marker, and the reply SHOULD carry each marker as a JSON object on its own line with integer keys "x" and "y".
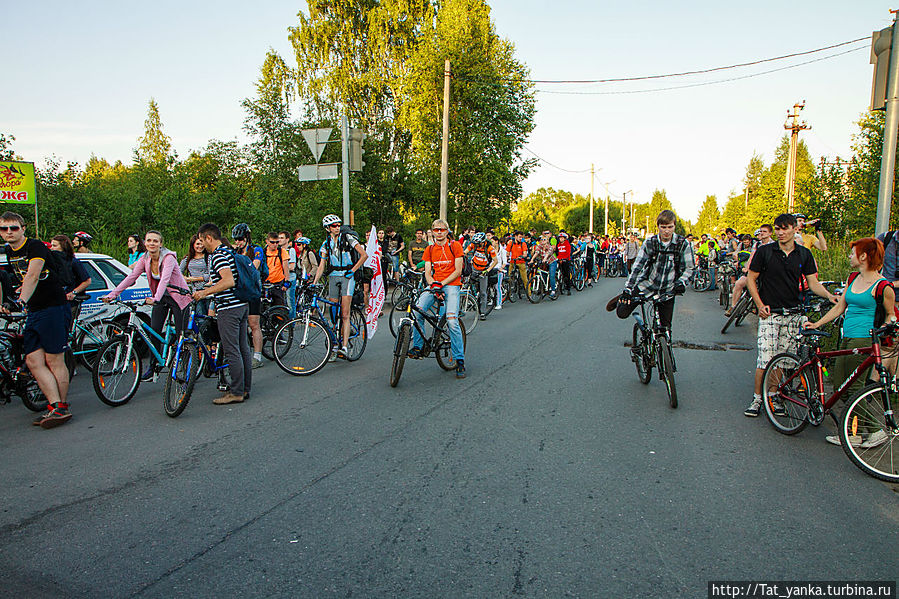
{"x": 866, "y": 408}
{"x": 272, "y": 320}
{"x": 111, "y": 357}
{"x": 491, "y": 300}
{"x": 469, "y": 311}
{"x": 444, "y": 352}
{"x": 794, "y": 392}
{"x": 739, "y": 310}
{"x": 641, "y": 360}
{"x": 581, "y": 281}
{"x": 510, "y": 293}
{"x": 397, "y": 313}
{"x": 180, "y": 380}
{"x": 304, "y": 359}
{"x": 535, "y": 289}
{"x": 666, "y": 371}
{"x": 358, "y": 335}
{"x": 750, "y": 309}
{"x": 401, "y": 348}
{"x": 90, "y": 338}
{"x": 32, "y": 396}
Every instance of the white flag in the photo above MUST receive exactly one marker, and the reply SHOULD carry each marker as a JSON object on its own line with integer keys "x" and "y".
{"x": 377, "y": 294}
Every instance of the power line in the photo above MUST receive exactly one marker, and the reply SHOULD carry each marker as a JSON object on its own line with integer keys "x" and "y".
{"x": 544, "y": 160}
{"x": 662, "y": 76}
{"x": 704, "y": 83}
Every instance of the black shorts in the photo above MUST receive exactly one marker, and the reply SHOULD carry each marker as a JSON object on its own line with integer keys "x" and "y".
{"x": 48, "y": 329}
{"x": 255, "y": 307}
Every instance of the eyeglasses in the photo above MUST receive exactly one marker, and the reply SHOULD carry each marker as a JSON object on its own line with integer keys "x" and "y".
{"x": 10, "y": 228}
{"x": 333, "y": 225}
{"x": 438, "y": 230}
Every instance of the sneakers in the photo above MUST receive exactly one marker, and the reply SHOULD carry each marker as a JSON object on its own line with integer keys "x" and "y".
{"x": 483, "y": 317}
{"x": 228, "y": 398}
{"x": 460, "y": 369}
{"x": 854, "y": 440}
{"x": 257, "y": 363}
{"x": 56, "y": 416}
{"x": 332, "y": 357}
{"x": 498, "y": 308}
{"x": 414, "y": 353}
{"x": 875, "y": 439}
{"x": 552, "y": 295}
{"x": 754, "y": 408}
{"x": 778, "y": 408}
{"x": 147, "y": 375}
{"x": 342, "y": 352}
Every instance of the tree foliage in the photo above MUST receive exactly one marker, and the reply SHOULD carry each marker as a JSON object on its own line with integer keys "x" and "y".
{"x": 154, "y": 146}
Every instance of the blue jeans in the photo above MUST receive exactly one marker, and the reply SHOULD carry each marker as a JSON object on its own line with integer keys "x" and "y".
{"x": 292, "y": 299}
{"x": 553, "y": 267}
{"x": 451, "y": 306}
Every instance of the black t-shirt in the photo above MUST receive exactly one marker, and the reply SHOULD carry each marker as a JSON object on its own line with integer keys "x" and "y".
{"x": 48, "y": 292}
{"x": 780, "y": 274}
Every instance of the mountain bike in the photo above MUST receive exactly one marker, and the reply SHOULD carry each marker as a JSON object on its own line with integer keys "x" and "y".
{"x": 652, "y": 345}
{"x": 86, "y": 338}
{"x": 744, "y": 306}
{"x": 409, "y": 281}
{"x": 701, "y": 279}
{"x": 469, "y": 306}
{"x": 579, "y": 273}
{"x": 539, "y": 285}
{"x": 117, "y": 371}
{"x": 196, "y": 351}
{"x": 15, "y": 378}
{"x": 438, "y": 342}
{"x": 302, "y": 346}
{"x": 271, "y": 318}
{"x": 514, "y": 288}
{"x": 474, "y": 288}
{"x": 793, "y": 396}
{"x": 726, "y": 271}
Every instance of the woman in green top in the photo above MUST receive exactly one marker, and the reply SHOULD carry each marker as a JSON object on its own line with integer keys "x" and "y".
{"x": 858, "y": 305}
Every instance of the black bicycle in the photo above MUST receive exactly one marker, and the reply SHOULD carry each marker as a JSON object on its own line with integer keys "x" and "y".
{"x": 652, "y": 344}
{"x": 438, "y": 342}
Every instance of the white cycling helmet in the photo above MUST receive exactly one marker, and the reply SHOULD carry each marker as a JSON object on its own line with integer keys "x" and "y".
{"x": 478, "y": 237}
{"x": 331, "y": 219}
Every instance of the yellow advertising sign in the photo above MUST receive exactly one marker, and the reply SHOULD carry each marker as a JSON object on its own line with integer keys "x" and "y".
{"x": 17, "y": 183}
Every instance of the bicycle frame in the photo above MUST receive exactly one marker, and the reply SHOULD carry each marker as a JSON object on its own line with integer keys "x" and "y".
{"x": 191, "y": 334}
{"x": 333, "y": 332}
{"x": 438, "y": 322}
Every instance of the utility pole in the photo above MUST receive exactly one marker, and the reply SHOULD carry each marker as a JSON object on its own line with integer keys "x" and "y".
{"x": 444, "y": 162}
{"x": 623, "y": 212}
{"x": 345, "y": 166}
{"x": 890, "y": 130}
{"x": 591, "y": 197}
{"x": 605, "y": 223}
{"x": 795, "y": 127}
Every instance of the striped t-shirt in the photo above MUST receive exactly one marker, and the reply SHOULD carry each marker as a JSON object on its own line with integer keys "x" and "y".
{"x": 221, "y": 259}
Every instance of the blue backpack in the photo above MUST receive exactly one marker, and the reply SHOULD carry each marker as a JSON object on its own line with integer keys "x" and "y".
{"x": 248, "y": 284}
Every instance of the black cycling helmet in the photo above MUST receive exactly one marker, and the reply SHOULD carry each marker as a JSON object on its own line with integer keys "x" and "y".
{"x": 240, "y": 231}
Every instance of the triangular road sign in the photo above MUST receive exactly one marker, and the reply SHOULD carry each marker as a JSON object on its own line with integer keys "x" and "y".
{"x": 316, "y": 140}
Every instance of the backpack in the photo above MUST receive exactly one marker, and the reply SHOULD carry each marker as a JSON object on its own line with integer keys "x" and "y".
{"x": 263, "y": 263}
{"x": 346, "y": 242}
{"x": 880, "y": 314}
{"x": 248, "y": 283}
{"x": 62, "y": 268}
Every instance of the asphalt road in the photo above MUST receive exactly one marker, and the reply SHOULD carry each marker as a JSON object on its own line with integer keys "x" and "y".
{"x": 549, "y": 472}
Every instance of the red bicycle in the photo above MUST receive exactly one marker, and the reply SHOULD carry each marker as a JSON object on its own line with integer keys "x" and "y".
{"x": 793, "y": 394}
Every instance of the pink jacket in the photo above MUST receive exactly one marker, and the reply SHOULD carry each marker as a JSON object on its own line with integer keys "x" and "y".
{"x": 169, "y": 273}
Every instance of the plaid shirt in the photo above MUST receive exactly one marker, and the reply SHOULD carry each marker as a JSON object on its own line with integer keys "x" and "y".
{"x": 656, "y": 269}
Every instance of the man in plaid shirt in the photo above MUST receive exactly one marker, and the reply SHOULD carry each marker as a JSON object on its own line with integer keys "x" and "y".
{"x": 662, "y": 267}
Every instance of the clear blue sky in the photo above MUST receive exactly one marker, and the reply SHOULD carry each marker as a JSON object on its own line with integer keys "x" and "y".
{"x": 86, "y": 73}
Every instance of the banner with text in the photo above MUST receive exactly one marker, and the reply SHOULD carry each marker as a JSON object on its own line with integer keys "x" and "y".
{"x": 378, "y": 293}
{"x": 17, "y": 183}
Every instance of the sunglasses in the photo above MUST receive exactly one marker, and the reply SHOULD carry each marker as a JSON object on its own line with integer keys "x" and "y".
{"x": 334, "y": 225}
{"x": 273, "y": 241}
{"x": 438, "y": 230}
{"x": 10, "y": 228}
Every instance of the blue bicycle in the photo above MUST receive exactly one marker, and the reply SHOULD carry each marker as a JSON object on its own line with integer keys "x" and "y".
{"x": 197, "y": 350}
{"x": 118, "y": 366}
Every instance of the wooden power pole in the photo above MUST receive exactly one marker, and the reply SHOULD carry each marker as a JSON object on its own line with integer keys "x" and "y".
{"x": 795, "y": 127}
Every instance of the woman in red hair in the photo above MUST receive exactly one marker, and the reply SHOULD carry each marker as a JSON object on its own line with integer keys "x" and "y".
{"x": 859, "y": 305}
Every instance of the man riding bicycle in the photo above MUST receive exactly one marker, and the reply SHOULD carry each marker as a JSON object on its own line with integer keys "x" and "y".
{"x": 443, "y": 274}
{"x": 663, "y": 266}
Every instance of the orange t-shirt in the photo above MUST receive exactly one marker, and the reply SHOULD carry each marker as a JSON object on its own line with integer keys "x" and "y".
{"x": 275, "y": 270}
{"x": 517, "y": 251}
{"x": 443, "y": 259}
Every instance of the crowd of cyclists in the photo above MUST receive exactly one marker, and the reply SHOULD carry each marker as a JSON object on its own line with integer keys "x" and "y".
{"x": 772, "y": 270}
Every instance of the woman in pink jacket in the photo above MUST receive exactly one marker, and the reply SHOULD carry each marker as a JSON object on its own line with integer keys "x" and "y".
{"x": 161, "y": 267}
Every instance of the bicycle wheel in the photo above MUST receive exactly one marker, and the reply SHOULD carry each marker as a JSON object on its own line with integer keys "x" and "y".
{"x": 116, "y": 372}
{"x": 864, "y": 415}
{"x": 739, "y": 312}
{"x": 666, "y": 371}
{"x": 397, "y": 314}
{"x": 272, "y": 320}
{"x": 535, "y": 289}
{"x": 580, "y": 280}
{"x": 90, "y": 338}
{"x": 309, "y": 349}
{"x": 179, "y": 382}
{"x": 750, "y": 309}
{"x": 444, "y": 350}
{"x": 358, "y": 335}
{"x": 638, "y": 353}
{"x": 32, "y": 396}
{"x": 785, "y": 386}
{"x": 510, "y": 289}
{"x": 469, "y": 312}
{"x": 400, "y": 349}
{"x": 491, "y": 299}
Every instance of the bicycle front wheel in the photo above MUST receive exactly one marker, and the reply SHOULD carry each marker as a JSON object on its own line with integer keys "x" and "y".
{"x": 90, "y": 338}
{"x": 116, "y": 372}
{"x": 398, "y": 312}
{"x": 535, "y": 289}
{"x": 510, "y": 289}
{"x": 179, "y": 382}
{"x": 309, "y": 349}
{"x": 864, "y": 423}
{"x": 666, "y": 371}
{"x": 638, "y": 351}
{"x": 273, "y": 319}
{"x": 786, "y": 393}
{"x": 468, "y": 310}
{"x": 738, "y": 313}
{"x": 358, "y": 335}
{"x": 403, "y": 338}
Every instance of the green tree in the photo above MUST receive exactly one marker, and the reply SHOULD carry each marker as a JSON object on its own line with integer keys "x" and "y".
{"x": 6, "y": 151}
{"x": 709, "y": 215}
{"x": 155, "y": 146}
